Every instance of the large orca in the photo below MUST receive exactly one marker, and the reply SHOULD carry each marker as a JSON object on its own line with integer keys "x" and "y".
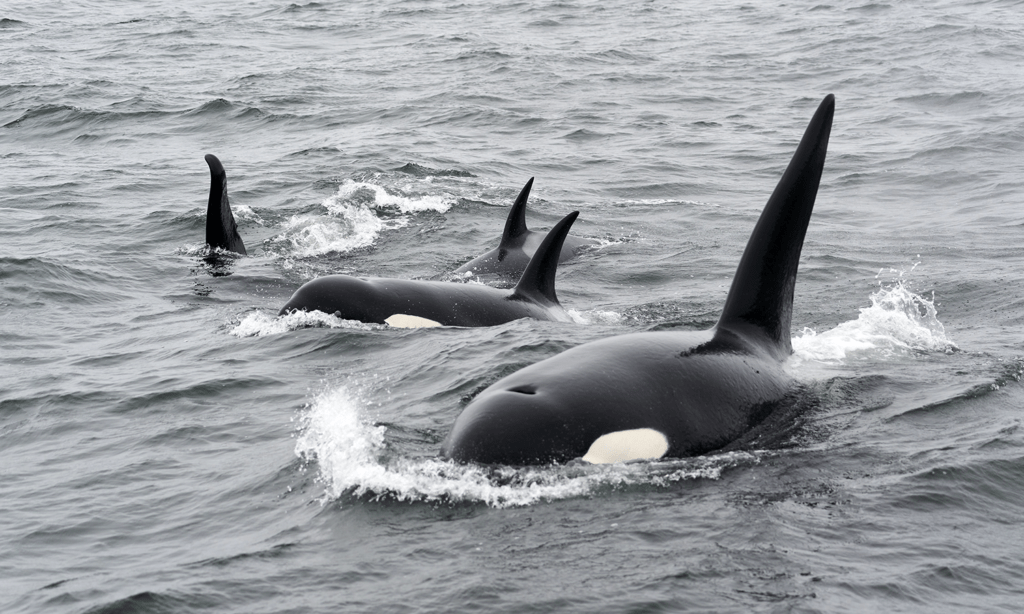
{"x": 518, "y": 244}
{"x": 411, "y": 303}
{"x": 221, "y": 230}
{"x": 656, "y": 394}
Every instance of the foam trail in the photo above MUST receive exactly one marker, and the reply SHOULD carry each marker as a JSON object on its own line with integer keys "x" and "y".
{"x": 898, "y": 322}
{"x": 354, "y": 460}
{"x": 259, "y": 324}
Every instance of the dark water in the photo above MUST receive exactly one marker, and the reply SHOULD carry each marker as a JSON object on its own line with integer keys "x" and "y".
{"x": 168, "y": 445}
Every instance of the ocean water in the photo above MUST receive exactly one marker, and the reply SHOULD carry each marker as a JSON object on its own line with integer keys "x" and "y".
{"x": 168, "y": 444}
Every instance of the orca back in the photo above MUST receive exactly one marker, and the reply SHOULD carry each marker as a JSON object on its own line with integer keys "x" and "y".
{"x": 538, "y": 280}
{"x": 221, "y": 230}
{"x": 760, "y": 301}
{"x": 515, "y": 225}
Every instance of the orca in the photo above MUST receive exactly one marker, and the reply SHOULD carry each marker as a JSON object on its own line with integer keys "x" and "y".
{"x": 659, "y": 394}
{"x": 221, "y": 230}
{"x": 518, "y": 244}
{"x": 412, "y": 303}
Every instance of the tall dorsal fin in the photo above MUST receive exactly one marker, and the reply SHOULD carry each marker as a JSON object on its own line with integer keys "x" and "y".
{"x": 221, "y": 230}
{"x": 538, "y": 280}
{"x": 761, "y": 297}
{"x": 515, "y": 225}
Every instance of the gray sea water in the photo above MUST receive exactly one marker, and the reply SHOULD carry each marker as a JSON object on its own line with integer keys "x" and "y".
{"x": 167, "y": 444}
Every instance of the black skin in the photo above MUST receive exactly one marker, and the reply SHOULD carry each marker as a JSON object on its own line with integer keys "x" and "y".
{"x": 221, "y": 230}
{"x": 450, "y": 304}
{"x": 702, "y": 390}
{"x": 506, "y": 263}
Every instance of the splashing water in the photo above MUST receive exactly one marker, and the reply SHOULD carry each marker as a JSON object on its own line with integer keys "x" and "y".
{"x": 245, "y": 213}
{"x": 594, "y": 316}
{"x": 259, "y": 324}
{"x": 351, "y": 221}
{"x": 898, "y": 322}
{"x": 354, "y": 460}
{"x": 348, "y": 227}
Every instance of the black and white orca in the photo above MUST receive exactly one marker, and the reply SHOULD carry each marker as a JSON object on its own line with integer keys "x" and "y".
{"x": 664, "y": 394}
{"x": 518, "y": 244}
{"x": 221, "y": 230}
{"x": 411, "y": 303}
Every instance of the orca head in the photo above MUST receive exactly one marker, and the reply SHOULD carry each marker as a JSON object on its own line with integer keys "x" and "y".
{"x": 349, "y": 298}
{"x": 537, "y": 417}
{"x": 511, "y": 425}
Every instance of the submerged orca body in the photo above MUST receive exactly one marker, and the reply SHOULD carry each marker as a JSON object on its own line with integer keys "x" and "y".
{"x": 410, "y": 303}
{"x": 518, "y": 244}
{"x": 657, "y": 394}
{"x": 221, "y": 230}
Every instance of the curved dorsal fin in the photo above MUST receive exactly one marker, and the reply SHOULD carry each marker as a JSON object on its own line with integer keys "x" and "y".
{"x": 515, "y": 225}
{"x": 761, "y": 296}
{"x": 221, "y": 230}
{"x": 538, "y": 281}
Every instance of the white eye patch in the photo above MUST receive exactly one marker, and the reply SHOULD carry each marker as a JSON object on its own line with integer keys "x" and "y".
{"x": 401, "y": 320}
{"x": 622, "y": 446}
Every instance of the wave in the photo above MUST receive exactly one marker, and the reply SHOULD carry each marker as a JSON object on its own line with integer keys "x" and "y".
{"x": 379, "y": 197}
{"x": 417, "y": 170}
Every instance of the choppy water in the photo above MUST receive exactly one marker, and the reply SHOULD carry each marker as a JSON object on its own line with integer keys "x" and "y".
{"x": 168, "y": 445}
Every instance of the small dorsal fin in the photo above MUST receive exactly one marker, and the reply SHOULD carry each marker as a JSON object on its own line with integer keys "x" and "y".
{"x": 515, "y": 225}
{"x": 761, "y": 296}
{"x": 538, "y": 280}
{"x": 221, "y": 230}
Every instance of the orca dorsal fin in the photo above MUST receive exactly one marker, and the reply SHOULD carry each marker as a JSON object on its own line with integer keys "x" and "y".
{"x": 221, "y": 230}
{"x": 515, "y": 225}
{"x": 761, "y": 296}
{"x": 538, "y": 281}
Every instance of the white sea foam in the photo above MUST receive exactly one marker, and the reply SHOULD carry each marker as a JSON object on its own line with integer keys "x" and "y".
{"x": 245, "y": 213}
{"x": 352, "y": 221}
{"x": 353, "y": 459}
{"x": 380, "y": 198}
{"x": 594, "y": 316}
{"x": 348, "y": 227}
{"x": 898, "y": 322}
{"x": 259, "y": 324}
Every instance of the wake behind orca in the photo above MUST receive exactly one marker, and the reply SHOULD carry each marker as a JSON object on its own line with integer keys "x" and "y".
{"x": 412, "y": 303}
{"x": 517, "y": 245}
{"x": 655, "y": 394}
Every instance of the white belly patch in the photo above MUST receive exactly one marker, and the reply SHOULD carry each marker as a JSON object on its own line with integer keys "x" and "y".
{"x": 401, "y": 320}
{"x": 622, "y": 446}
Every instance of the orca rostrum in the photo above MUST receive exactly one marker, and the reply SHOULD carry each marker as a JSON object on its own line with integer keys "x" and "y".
{"x": 664, "y": 394}
{"x": 517, "y": 245}
{"x": 415, "y": 303}
{"x": 221, "y": 230}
